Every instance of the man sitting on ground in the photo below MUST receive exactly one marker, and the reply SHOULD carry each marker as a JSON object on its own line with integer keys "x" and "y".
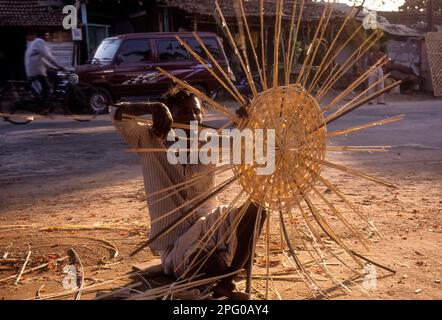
{"x": 176, "y": 247}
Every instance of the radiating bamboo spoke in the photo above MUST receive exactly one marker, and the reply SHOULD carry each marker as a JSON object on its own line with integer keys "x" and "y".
{"x": 328, "y": 230}
{"x": 231, "y": 89}
{"x": 206, "y": 196}
{"x": 235, "y": 47}
{"x": 267, "y": 255}
{"x": 356, "y": 173}
{"x": 256, "y": 235}
{"x": 357, "y": 104}
{"x": 278, "y": 22}
{"x": 293, "y": 48}
{"x": 355, "y": 84}
{"x": 263, "y": 44}
{"x": 202, "y": 242}
{"x": 215, "y": 105}
{"x": 329, "y": 185}
{"x": 318, "y": 238}
{"x": 349, "y": 226}
{"x": 197, "y": 177}
{"x": 299, "y": 264}
{"x": 359, "y": 97}
{"x": 242, "y": 18}
{"x": 326, "y": 59}
{"x": 312, "y": 45}
{"x": 317, "y": 42}
{"x": 288, "y": 70}
{"x": 322, "y": 265}
{"x": 355, "y": 129}
{"x": 358, "y": 148}
{"x": 322, "y": 223}
{"x": 184, "y": 187}
{"x": 185, "y": 216}
{"x": 226, "y": 237}
{"x": 355, "y": 57}
{"x": 335, "y": 55}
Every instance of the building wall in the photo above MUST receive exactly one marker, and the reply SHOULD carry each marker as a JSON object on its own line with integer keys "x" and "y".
{"x": 425, "y": 68}
{"x": 13, "y": 47}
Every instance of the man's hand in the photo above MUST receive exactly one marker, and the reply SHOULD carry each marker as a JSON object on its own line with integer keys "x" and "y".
{"x": 162, "y": 120}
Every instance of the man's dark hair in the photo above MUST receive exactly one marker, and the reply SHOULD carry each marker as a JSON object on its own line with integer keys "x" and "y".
{"x": 40, "y": 33}
{"x": 175, "y": 96}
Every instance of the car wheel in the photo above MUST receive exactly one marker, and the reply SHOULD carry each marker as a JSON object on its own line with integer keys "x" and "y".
{"x": 99, "y": 101}
{"x": 214, "y": 94}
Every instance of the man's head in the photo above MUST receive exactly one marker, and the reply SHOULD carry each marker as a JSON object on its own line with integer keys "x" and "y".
{"x": 184, "y": 107}
{"x": 41, "y": 33}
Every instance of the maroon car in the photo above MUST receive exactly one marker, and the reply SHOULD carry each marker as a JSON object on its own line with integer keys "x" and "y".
{"x": 125, "y": 67}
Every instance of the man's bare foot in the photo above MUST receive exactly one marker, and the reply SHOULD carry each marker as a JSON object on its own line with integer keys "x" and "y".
{"x": 239, "y": 296}
{"x": 224, "y": 289}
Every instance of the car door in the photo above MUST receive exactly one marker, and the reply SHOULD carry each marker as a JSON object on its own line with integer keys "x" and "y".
{"x": 134, "y": 68}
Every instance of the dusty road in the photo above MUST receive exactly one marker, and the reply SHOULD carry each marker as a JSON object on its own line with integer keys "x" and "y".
{"x": 79, "y": 179}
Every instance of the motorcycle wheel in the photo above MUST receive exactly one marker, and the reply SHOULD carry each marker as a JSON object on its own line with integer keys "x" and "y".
{"x": 10, "y": 98}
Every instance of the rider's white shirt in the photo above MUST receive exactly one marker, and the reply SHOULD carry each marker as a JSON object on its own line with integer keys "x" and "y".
{"x": 37, "y": 57}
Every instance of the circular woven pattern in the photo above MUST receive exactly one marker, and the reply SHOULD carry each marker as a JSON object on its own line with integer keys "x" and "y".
{"x": 300, "y": 140}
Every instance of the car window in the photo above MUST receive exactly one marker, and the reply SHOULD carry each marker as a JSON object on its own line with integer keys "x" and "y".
{"x": 169, "y": 50}
{"x": 106, "y": 51}
{"x": 136, "y": 50}
{"x": 211, "y": 44}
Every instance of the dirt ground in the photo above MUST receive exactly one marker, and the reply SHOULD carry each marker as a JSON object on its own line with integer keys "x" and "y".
{"x": 68, "y": 185}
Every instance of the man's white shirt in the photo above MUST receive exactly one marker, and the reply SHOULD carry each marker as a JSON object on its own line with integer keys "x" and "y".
{"x": 37, "y": 57}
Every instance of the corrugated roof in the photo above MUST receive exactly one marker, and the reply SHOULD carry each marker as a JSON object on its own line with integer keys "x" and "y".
{"x": 30, "y": 13}
{"x": 312, "y": 10}
{"x": 393, "y": 29}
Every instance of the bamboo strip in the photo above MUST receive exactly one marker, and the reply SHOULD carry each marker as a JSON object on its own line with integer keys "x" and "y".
{"x": 313, "y": 44}
{"x": 263, "y": 44}
{"x": 330, "y": 49}
{"x": 242, "y": 40}
{"x": 355, "y": 84}
{"x": 320, "y": 40}
{"x": 201, "y": 243}
{"x": 235, "y": 47}
{"x": 342, "y": 112}
{"x": 184, "y": 217}
{"x": 202, "y": 96}
{"x": 356, "y": 173}
{"x": 220, "y": 69}
{"x": 23, "y": 268}
{"x": 278, "y": 21}
{"x": 358, "y": 54}
{"x": 289, "y": 48}
{"x": 298, "y": 26}
{"x": 255, "y": 56}
{"x": 237, "y": 97}
{"x": 351, "y": 130}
